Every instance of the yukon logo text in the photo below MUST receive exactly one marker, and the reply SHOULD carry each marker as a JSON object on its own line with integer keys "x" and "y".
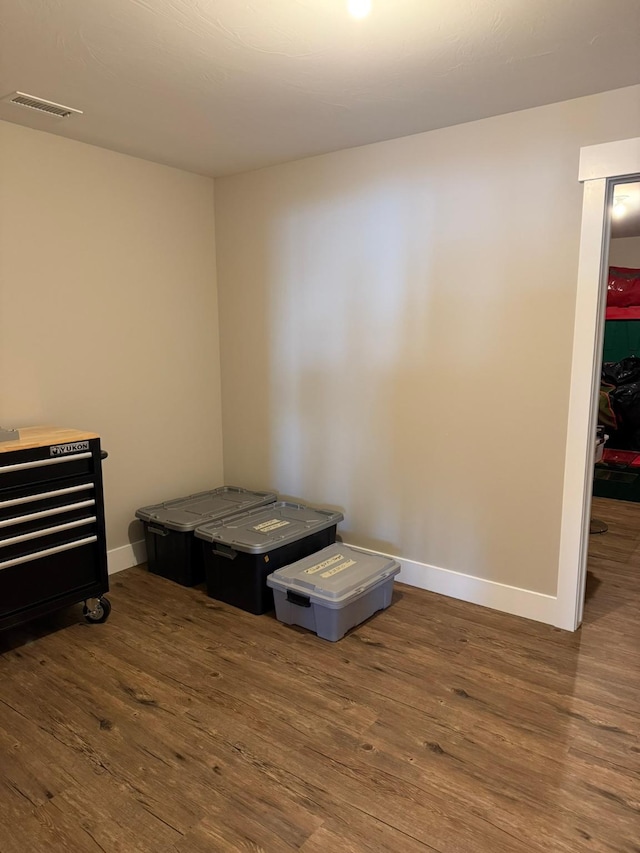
{"x": 64, "y": 449}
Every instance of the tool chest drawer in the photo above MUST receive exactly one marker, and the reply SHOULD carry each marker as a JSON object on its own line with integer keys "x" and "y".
{"x": 38, "y": 468}
{"x": 52, "y": 532}
{"x": 28, "y": 499}
{"x": 49, "y": 573}
{"x": 24, "y": 542}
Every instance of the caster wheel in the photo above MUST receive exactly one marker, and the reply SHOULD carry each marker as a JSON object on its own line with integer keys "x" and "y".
{"x": 99, "y": 612}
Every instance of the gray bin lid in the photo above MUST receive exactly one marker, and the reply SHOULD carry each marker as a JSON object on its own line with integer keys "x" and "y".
{"x": 185, "y": 514}
{"x": 335, "y": 574}
{"x": 264, "y": 529}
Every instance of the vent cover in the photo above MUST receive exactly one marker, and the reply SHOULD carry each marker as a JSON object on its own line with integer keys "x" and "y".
{"x": 21, "y": 99}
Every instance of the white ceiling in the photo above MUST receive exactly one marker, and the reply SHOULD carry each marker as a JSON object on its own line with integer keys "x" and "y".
{"x": 221, "y": 86}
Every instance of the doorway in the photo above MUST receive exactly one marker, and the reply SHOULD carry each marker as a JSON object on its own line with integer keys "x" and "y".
{"x": 617, "y": 474}
{"x": 613, "y": 567}
{"x": 602, "y": 167}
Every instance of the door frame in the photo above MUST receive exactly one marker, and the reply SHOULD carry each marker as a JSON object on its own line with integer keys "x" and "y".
{"x": 601, "y": 167}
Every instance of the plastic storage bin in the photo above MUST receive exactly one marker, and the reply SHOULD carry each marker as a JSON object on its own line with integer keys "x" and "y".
{"x": 617, "y": 476}
{"x": 333, "y": 590}
{"x": 172, "y": 551}
{"x": 240, "y": 552}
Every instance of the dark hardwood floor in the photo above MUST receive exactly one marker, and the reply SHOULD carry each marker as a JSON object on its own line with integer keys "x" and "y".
{"x": 185, "y": 725}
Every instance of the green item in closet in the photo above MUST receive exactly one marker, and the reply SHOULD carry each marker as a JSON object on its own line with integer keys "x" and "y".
{"x": 621, "y": 338}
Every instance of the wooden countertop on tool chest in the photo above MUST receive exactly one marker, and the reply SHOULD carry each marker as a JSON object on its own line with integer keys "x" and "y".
{"x": 42, "y": 436}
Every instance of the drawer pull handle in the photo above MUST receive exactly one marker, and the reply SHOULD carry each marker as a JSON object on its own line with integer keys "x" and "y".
{"x": 40, "y": 463}
{"x": 5, "y": 564}
{"x": 58, "y": 528}
{"x": 41, "y": 496}
{"x": 45, "y": 513}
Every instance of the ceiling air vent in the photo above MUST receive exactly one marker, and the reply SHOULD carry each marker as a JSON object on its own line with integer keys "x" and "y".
{"x": 21, "y": 99}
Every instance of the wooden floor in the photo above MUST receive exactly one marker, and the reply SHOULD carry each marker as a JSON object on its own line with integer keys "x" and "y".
{"x": 184, "y": 725}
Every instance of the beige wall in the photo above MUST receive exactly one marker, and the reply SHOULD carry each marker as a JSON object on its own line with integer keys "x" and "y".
{"x": 625, "y": 252}
{"x": 108, "y": 313}
{"x": 396, "y": 331}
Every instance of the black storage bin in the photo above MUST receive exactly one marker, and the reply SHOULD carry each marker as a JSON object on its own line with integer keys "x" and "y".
{"x": 240, "y": 552}
{"x": 617, "y": 481}
{"x": 172, "y": 551}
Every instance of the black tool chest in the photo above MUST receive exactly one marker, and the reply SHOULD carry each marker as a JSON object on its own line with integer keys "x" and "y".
{"x": 52, "y": 532}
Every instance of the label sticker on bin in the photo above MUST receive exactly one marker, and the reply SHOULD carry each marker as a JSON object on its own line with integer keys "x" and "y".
{"x": 324, "y": 565}
{"x": 272, "y": 524}
{"x": 346, "y": 565}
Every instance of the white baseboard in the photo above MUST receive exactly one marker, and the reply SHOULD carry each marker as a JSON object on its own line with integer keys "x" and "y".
{"x": 498, "y": 596}
{"x": 133, "y": 554}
